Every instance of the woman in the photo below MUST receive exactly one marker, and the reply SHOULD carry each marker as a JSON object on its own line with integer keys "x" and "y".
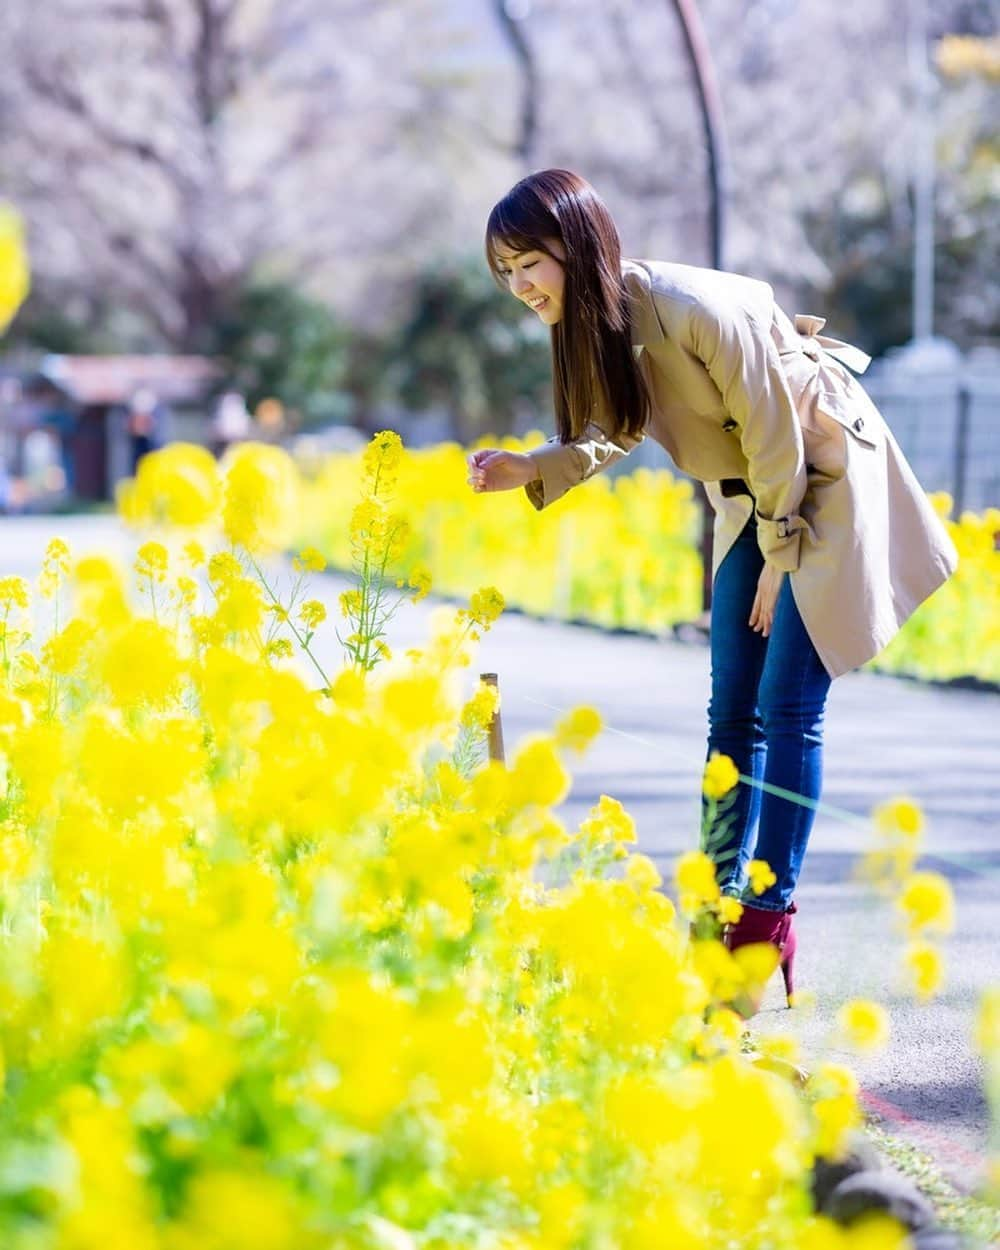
{"x": 824, "y": 542}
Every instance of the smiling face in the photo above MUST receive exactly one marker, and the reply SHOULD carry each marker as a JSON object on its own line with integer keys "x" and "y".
{"x": 535, "y": 278}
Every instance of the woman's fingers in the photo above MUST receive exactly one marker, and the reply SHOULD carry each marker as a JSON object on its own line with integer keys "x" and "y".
{"x": 480, "y": 463}
{"x": 762, "y": 614}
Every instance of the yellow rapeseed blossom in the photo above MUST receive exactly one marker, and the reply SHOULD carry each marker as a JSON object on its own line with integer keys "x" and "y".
{"x": 175, "y": 485}
{"x": 479, "y": 711}
{"x": 694, "y": 877}
{"x": 271, "y": 927}
{"x": 55, "y": 568}
{"x": 312, "y": 614}
{"x": 864, "y": 1025}
{"x": 151, "y": 561}
{"x": 578, "y": 728}
{"x": 927, "y": 903}
{"x": 925, "y": 968}
{"x": 14, "y": 593}
{"x": 259, "y": 494}
{"x": 721, "y": 775}
{"x": 419, "y": 581}
{"x": 760, "y": 875}
{"x": 309, "y": 560}
{"x": 835, "y": 1110}
{"x": 607, "y": 823}
{"x": 899, "y": 815}
{"x": 987, "y": 1027}
{"x": 14, "y": 279}
{"x": 537, "y": 775}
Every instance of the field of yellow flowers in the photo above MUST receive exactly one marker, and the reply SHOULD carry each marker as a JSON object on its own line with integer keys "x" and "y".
{"x": 623, "y": 552}
{"x": 594, "y": 559}
{"x": 286, "y": 963}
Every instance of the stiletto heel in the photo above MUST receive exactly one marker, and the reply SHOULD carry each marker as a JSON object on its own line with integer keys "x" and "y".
{"x": 756, "y": 925}
{"x": 786, "y": 972}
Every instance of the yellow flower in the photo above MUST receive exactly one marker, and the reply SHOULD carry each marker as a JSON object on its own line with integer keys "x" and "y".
{"x": 864, "y": 1025}
{"x": 485, "y": 605}
{"x": 607, "y": 822}
{"x": 151, "y": 561}
{"x": 578, "y": 728}
{"x": 729, "y": 909}
{"x": 925, "y": 967}
{"x": 194, "y": 554}
{"x": 479, "y": 711}
{"x": 176, "y": 485}
{"x": 642, "y": 874}
{"x": 761, "y": 876}
{"x": 13, "y": 593}
{"x": 835, "y": 1109}
{"x": 927, "y": 902}
{"x": 721, "y": 775}
{"x": 309, "y": 560}
{"x": 140, "y": 664}
{"x": 382, "y": 456}
{"x": 312, "y": 614}
{"x": 419, "y": 582}
{"x": 260, "y": 489}
{"x": 55, "y": 567}
{"x": 899, "y": 815}
{"x": 694, "y": 876}
{"x": 987, "y": 1028}
{"x": 537, "y": 775}
{"x": 14, "y": 280}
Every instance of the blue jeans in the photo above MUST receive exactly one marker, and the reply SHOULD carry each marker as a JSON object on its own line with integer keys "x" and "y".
{"x": 766, "y": 713}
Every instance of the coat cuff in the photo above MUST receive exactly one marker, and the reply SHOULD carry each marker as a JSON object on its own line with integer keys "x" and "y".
{"x": 559, "y": 466}
{"x": 780, "y": 540}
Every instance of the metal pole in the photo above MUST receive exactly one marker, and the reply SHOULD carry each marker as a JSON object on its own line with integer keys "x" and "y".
{"x": 961, "y": 448}
{"x": 710, "y": 104}
{"x": 923, "y": 170}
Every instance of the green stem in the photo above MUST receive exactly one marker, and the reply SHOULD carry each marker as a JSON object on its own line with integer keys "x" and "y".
{"x": 291, "y": 624}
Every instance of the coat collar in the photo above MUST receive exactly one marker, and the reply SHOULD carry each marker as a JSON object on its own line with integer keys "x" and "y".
{"x": 647, "y": 330}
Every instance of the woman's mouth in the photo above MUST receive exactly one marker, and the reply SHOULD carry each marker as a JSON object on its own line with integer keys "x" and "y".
{"x": 538, "y": 304}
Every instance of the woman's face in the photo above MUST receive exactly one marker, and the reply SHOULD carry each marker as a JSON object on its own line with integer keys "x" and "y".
{"x": 536, "y": 279}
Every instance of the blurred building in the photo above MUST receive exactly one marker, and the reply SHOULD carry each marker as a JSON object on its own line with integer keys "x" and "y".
{"x": 68, "y": 426}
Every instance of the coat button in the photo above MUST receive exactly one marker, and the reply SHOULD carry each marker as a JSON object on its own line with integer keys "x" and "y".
{"x": 729, "y": 425}
{"x": 859, "y": 425}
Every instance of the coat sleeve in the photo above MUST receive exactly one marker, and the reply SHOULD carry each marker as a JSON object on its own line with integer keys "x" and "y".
{"x": 744, "y": 364}
{"x": 563, "y": 465}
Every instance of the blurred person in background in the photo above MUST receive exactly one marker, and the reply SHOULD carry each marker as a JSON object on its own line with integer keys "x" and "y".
{"x": 144, "y": 423}
{"x": 231, "y": 423}
{"x": 824, "y": 542}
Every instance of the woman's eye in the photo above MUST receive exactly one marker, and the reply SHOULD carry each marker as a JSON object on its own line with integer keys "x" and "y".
{"x": 530, "y": 265}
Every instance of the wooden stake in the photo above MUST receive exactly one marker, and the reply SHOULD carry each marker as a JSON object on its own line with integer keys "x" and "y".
{"x": 496, "y": 726}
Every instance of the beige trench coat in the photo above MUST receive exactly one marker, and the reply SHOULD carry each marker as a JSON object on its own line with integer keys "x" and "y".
{"x": 738, "y": 391}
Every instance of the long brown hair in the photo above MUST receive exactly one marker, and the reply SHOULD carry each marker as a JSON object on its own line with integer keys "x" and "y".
{"x": 593, "y": 367}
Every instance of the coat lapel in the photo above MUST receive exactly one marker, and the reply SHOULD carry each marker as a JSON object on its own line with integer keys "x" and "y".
{"x": 646, "y": 328}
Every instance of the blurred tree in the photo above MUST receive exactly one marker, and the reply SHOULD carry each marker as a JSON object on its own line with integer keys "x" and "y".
{"x": 279, "y": 344}
{"x": 165, "y": 151}
{"x": 468, "y": 348}
{"x": 170, "y": 154}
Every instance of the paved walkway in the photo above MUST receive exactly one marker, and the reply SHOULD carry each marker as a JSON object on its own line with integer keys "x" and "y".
{"x": 884, "y": 737}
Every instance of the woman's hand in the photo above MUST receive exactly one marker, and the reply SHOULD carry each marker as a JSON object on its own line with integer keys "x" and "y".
{"x": 768, "y": 589}
{"x": 490, "y": 469}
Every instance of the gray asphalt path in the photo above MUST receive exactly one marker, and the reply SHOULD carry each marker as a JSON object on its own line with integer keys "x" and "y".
{"x": 884, "y": 737}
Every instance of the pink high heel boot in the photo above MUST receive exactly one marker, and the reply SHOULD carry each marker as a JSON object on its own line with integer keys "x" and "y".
{"x": 758, "y": 925}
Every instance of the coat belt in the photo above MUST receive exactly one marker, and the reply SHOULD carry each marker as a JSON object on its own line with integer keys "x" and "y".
{"x": 815, "y": 344}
